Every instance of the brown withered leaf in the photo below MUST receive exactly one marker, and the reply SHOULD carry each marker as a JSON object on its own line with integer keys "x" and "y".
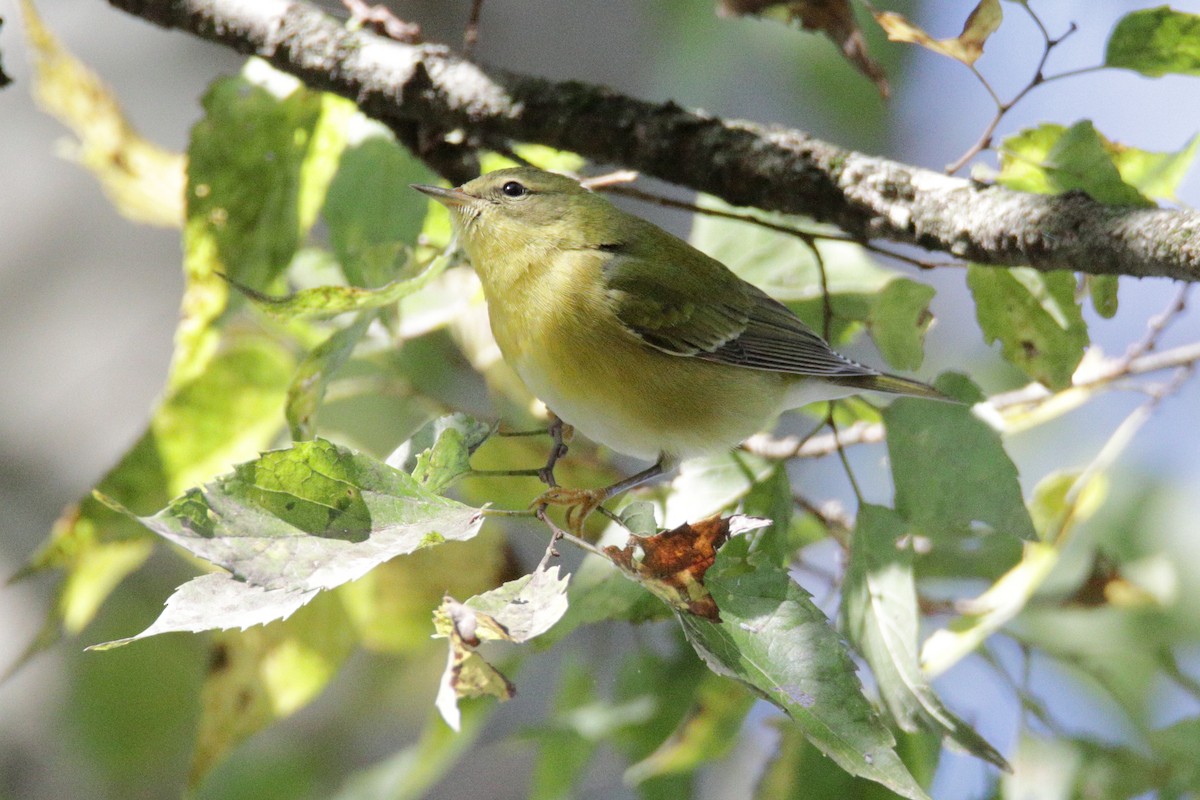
{"x": 967, "y": 47}
{"x": 671, "y": 564}
{"x": 834, "y": 18}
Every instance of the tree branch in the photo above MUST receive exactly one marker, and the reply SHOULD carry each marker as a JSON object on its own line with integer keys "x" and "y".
{"x": 743, "y": 163}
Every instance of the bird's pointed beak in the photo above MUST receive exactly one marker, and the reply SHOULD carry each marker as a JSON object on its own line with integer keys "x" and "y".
{"x": 450, "y": 198}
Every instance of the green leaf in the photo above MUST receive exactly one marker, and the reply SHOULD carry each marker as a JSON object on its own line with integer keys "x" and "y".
{"x": 1103, "y": 291}
{"x": 374, "y": 217}
{"x": 1034, "y": 316}
{"x": 1156, "y": 42}
{"x": 638, "y": 518}
{"x": 782, "y": 264}
{"x": 879, "y": 611}
{"x": 251, "y": 179}
{"x": 227, "y": 412}
{"x": 314, "y": 373}
{"x": 954, "y": 482}
{"x": 899, "y": 320}
{"x": 291, "y": 524}
{"x": 1154, "y": 174}
{"x": 440, "y": 452}
{"x": 771, "y": 498}
{"x": 799, "y": 770}
{"x": 1051, "y": 159}
{"x": 328, "y": 301}
{"x": 775, "y": 640}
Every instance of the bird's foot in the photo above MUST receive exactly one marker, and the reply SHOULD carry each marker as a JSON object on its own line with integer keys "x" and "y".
{"x": 578, "y": 502}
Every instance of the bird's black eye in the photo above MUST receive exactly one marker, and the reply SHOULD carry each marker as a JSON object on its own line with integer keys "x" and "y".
{"x": 514, "y": 189}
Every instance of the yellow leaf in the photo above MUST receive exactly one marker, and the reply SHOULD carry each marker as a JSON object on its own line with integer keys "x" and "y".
{"x": 143, "y": 181}
{"x": 967, "y": 47}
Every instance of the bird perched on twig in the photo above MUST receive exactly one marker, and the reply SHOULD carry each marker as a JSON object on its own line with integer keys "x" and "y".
{"x": 631, "y": 335}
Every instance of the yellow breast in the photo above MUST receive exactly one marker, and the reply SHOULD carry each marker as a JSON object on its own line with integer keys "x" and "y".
{"x": 557, "y": 328}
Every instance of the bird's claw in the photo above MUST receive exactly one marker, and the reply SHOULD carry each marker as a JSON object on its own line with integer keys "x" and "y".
{"x": 578, "y": 502}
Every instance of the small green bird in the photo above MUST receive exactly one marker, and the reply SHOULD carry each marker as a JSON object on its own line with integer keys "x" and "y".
{"x": 631, "y": 335}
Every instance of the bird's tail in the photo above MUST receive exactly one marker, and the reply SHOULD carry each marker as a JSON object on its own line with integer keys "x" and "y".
{"x": 894, "y": 384}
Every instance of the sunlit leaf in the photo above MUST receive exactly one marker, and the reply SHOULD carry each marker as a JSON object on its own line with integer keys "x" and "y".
{"x": 515, "y": 612}
{"x": 467, "y": 674}
{"x": 1051, "y": 159}
{"x": 373, "y": 216}
{"x": 1154, "y": 174}
{"x": 248, "y": 165}
{"x": 291, "y": 524}
{"x": 328, "y": 301}
{"x": 144, "y": 182}
{"x": 1156, "y": 42}
{"x": 967, "y": 47}
{"x": 439, "y": 453}
{"x": 705, "y": 486}
{"x": 990, "y": 611}
{"x": 226, "y": 413}
{"x": 1034, "y": 316}
{"x": 774, "y": 639}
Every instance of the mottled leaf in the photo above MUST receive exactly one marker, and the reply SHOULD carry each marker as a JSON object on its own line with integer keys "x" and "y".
{"x": 515, "y": 612}
{"x": 1034, "y": 316}
{"x": 250, "y": 170}
{"x": 672, "y": 564}
{"x": 258, "y": 676}
{"x": 290, "y": 524}
{"x": 899, "y": 320}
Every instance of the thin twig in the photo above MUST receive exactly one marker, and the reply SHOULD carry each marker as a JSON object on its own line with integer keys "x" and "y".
{"x": 1157, "y": 325}
{"x": 471, "y": 32}
{"x": 1039, "y": 78}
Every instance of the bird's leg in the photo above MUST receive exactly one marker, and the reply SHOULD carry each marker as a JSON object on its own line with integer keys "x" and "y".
{"x": 560, "y": 433}
{"x": 582, "y": 502}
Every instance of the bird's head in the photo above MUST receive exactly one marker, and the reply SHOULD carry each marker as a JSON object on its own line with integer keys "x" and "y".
{"x": 510, "y": 209}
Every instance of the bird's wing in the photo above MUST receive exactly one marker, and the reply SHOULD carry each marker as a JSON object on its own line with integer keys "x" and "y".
{"x": 694, "y": 306}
